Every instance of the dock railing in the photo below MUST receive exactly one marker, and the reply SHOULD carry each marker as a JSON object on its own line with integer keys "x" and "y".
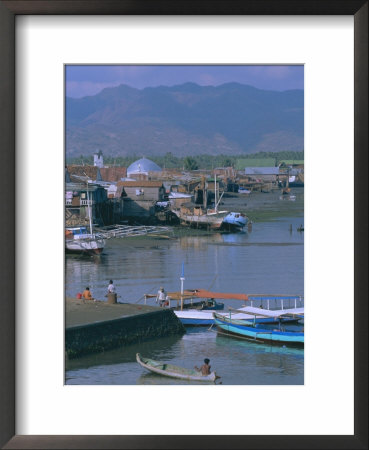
{"x": 274, "y": 302}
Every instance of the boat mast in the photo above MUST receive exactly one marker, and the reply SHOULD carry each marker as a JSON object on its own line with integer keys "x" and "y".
{"x": 215, "y": 192}
{"x": 89, "y": 210}
{"x": 182, "y": 278}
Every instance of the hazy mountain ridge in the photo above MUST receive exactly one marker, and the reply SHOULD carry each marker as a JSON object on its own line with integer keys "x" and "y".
{"x": 187, "y": 119}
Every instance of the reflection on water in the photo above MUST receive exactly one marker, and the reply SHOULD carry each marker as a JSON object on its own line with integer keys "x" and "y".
{"x": 236, "y": 361}
{"x": 268, "y": 260}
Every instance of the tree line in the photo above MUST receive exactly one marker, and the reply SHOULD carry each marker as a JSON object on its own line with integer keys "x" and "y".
{"x": 205, "y": 162}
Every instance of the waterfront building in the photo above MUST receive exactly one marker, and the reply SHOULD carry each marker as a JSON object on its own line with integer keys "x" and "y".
{"x": 140, "y": 197}
{"x": 80, "y": 198}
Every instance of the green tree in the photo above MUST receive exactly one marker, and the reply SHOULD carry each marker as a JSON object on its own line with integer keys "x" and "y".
{"x": 227, "y": 162}
{"x": 190, "y": 163}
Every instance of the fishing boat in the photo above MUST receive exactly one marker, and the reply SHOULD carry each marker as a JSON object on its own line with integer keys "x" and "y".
{"x": 197, "y": 216}
{"x": 194, "y": 307}
{"x": 194, "y": 317}
{"x": 169, "y": 370}
{"x": 200, "y": 217}
{"x": 251, "y": 331}
{"x": 235, "y": 221}
{"x": 242, "y": 190}
{"x": 194, "y": 299}
{"x": 287, "y": 308}
{"x": 79, "y": 240}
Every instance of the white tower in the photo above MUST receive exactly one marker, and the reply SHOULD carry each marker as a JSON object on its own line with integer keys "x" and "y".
{"x": 98, "y": 159}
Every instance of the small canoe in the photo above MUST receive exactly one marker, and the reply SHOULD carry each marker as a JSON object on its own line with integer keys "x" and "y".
{"x": 172, "y": 371}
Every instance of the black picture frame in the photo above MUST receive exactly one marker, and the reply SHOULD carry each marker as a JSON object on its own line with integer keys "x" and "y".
{"x": 8, "y": 12}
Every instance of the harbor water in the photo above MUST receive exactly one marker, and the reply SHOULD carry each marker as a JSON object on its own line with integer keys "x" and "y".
{"x": 266, "y": 259}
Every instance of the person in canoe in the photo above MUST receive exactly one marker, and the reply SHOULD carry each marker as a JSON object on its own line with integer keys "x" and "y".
{"x": 205, "y": 368}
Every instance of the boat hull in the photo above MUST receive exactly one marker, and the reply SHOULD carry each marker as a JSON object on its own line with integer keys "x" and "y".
{"x": 171, "y": 371}
{"x": 208, "y": 221}
{"x": 235, "y": 221}
{"x": 90, "y": 246}
{"x": 205, "y": 318}
{"x": 72, "y": 251}
{"x": 259, "y": 334}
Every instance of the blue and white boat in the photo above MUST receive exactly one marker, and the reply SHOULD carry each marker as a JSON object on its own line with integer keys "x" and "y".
{"x": 242, "y": 190}
{"x": 235, "y": 220}
{"x": 271, "y": 309}
{"x": 194, "y": 317}
{"x": 257, "y": 333}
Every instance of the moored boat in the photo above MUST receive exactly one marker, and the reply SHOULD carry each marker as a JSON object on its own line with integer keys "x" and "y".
{"x": 197, "y": 216}
{"x": 287, "y": 308}
{"x": 194, "y": 317}
{"x": 251, "y": 331}
{"x": 200, "y": 217}
{"x": 78, "y": 240}
{"x": 235, "y": 220}
{"x": 170, "y": 370}
{"x": 242, "y": 190}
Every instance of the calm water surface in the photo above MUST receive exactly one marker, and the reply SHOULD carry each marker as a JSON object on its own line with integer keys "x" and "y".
{"x": 268, "y": 259}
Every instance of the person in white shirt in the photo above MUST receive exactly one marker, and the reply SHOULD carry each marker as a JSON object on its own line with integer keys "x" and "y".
{"x": 111, "y": 287}
{"x": 161, "y": 296}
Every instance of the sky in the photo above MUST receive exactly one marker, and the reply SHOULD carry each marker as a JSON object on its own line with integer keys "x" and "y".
{"x": 84, "y": 80}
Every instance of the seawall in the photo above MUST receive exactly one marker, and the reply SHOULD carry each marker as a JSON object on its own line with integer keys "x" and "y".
{"x": 134, "y": 324}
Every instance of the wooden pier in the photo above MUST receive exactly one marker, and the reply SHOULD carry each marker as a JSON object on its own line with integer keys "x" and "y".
{"x": 93, "y": 327}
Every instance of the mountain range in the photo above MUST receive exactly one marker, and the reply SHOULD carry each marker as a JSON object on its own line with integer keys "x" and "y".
{"x": 187, "y": 119}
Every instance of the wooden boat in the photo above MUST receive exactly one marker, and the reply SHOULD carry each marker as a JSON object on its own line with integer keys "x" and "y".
{"x": 78, "y": 240}
{"x": 252, "y": 331}
{"x": 235, "y": 221}
{"x": 193, "y": 317}
{"x": 169, "y": 370}
{"x": 283, "y": 310}
{"x": 200, "y": 217}
{"x": 242, "y": 190}
{"x": 197, "y": 216}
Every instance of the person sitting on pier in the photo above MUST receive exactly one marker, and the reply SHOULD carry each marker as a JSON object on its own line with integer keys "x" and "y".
{"x": 111, "y": 287}
{"x": 87, "y": 294}
{"x": 205, "y": 368}
{"x": 161, "y": 296}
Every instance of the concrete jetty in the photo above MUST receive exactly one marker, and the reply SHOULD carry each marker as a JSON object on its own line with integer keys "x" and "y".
{"x": 95, "y": 326}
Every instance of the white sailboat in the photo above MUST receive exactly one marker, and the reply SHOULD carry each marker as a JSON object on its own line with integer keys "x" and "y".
{"x": 79, "y": 240}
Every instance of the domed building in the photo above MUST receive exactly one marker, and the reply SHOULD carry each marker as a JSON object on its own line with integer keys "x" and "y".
{"x": 142, "y": 166}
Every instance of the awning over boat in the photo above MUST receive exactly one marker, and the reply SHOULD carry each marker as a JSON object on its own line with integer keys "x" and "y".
{"x": 272, "y": 313}
{"x": 203, "y": 293}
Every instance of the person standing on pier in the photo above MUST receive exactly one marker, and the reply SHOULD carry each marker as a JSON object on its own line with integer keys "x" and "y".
{"x": 111, "y": 287}
{"x": 161, "y": 296}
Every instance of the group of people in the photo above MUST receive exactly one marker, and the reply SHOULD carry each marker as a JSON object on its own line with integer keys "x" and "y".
{"x": 87, "y": 295}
